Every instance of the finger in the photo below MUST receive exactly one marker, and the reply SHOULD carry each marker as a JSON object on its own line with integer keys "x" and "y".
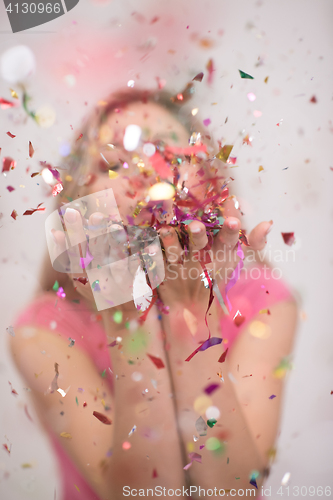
{"x": 257, "y": 237}
{"x": 98, "y": 239}
{"x": 62, "y": 259}
{"x": 198, "y": 235}
{"x": 229, "y": 233}
{"x": 172, "y": 247}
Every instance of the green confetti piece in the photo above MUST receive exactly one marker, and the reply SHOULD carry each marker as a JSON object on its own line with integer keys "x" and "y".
{"x": 118, "y": 317}
{"x": 211, "y": 422}
{"x": 245, "y": 75}
{"x": 130, "y": 362}
{"x": 95, "y": 283}
{"x": 127, "y": 324}
{"x": 77, "y": 401}
{"x": 103, "y": 374}
{"x": 55, "y": 286}
{"x": 187, "y": 221}
{"x": 77, "y": 301}
{"x": 221, "y": 221}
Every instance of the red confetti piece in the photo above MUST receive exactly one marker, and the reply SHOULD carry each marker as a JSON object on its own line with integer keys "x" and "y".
{"x": 31, "y": 150}
{"x": 85, "y": 404}
{"x": 8, "y": 164}
{"x": 33, "y": 210}
{"x": 13, "y": 390}
{"x": 198, "y": 77}
{"x": 14, "y": 214}
{"x": 223, "y": 356}
{"x": 10, "y": 188}
{"x": 34, "y": 174}
{"x": 154, "y": 20}
{"x": 238, "y": 319}
{"x": 157, "y": 361}
{"x": 154, "y": 473}
{"x": 211, "y": 388}
{"x": 57, "y": 189}
{"x": 11, "y": 135}
{"x": 102, "y": 418}
{"x": 313, "y": 99}
{"x": 6, "y": 448}
{"x": 4, "y": 104}
{"x": 288, "y": 238}
{"x": 80, "y": 137}
{"x": 82, "y": 280}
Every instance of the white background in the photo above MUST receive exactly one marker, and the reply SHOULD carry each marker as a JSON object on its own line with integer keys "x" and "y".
{"x": 103, "y": 45}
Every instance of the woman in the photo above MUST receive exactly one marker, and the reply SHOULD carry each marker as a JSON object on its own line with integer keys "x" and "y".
{"x": 127, "y": 397}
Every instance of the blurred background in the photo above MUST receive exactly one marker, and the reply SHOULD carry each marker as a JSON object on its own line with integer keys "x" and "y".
{"x": 280, "y": 123}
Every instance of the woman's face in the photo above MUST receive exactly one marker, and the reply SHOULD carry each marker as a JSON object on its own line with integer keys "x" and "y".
{"x": 133, "y": 169}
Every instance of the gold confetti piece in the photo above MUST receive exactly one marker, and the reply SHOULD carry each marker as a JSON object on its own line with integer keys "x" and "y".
{"x": 191, "y": 321}
{"x": 14, "y": 94}
{"x": 263, "y": 311}
{"x": 65, "y": 435}
{"x": 224, "y": 152}
{"x": 266, "y": 79}
{"x": 112, "y": 174}
{"x": 78, "y": 489}
{"x": 26, "y": 466}
{"x": 260, "y": 330}
{"x": 68, "y": 178}
{"x": 261, "y": 168}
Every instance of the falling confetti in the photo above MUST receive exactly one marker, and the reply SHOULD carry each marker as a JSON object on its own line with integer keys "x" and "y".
{"x": 245, "y": 75}
{"x": 11, "y": 135}
{"x": 102, "y": 418}
{"x": 132, "y": 430}
{"x": 4, "y": 104}
{"x": 33, "y": 210}
{"x": 157, "y": 361}
{"x": 223, "y": 356}
{"x": 288, "y": 238}
{"x": 8, "y": 164}
{"x": 198, "y": 77}
{"x": 57, "y": 189}
{"x": 201, "y": 426}
{"x": 80, "y": 137}
{"x": 72, "y": 342}
{"x": 31, "y": 150}
{"x": 10, "y": 330}
{"x": 66, "y": 435}
{"x": 14, "y": 214}
{"x": 224, "y": 152}
{"x": 272, "y": 396}
{"x": 54, "y": 384}
{"x": 10, "y": 188}
{"x": 211, "y": 388}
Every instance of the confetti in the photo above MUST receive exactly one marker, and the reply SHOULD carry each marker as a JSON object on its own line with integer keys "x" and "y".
{"x": 223, "y": 356}
{"x": 210, "y": 68}
{"x": 201, "y": 426}
{"x": 254, "y": 483}
{"x": 31, "y": 150}
{"x": 261, "y": 168}
{"x": 8, "y": 164}
{"x": 132, "y": 430}
{"x": 10, "y": 188}
{"x": 205, "y": 345}
{"x": 272, "y": 396}
{"x": 288, "y": 238}
{"x": 12, "y": 390}
{"x": 154, "y": 474}
{"x": 157, "y": 361}
{"x": 102, "y": 418}
{"x": 113, "y": 174}
{"x": 313, "y": 99}
{"x": 54, "y": 384}
{"x": 72, "y": 342}
{"x": 245, "y": 75}
{"x": 285, "y": 479}
{"x": 4, "y": 104}
{"x": 10, "y": 330}
{"x": 211, "y": 388}
{"x": 57, "y": 189}
{"x": 211, "y": 422}
{"x": 66, "y": 435}
{"x": 11, "y": 135}
{"x": 80, "y": 137}
{"x": 14, "y": 214}
{"x": 198, "y": 77}
{"x": 14, "y": 94}
{"x": 5, "y": 446}
{"x": 207, "y": 122}
{"x": 224, "y": 152}
{"x": 33, "y": 210}
{"x": 238, "y": 319}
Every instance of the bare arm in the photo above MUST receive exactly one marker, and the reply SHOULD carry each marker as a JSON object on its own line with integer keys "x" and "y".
{"x": 90, "y": 439}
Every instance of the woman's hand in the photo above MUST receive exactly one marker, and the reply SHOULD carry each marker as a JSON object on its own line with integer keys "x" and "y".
{"x": 184, "y": 274}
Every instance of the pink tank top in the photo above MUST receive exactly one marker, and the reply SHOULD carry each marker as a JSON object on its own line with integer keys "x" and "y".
{"x": 252, "y": 293}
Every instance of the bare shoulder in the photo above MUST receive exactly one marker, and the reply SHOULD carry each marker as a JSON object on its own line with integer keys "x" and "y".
{"x": 69, "y": 413}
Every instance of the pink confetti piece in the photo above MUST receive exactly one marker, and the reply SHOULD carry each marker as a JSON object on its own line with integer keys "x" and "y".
{"x": 211, "y": 388}
{"x": 8, "y": 164}
{"x": 207, "y": 122}
{"x": 10, "y": 188}
{"x": 160, "y": 166}
{"x": 57, "y": 189}
{"x": 85, "y": 261}
{"x": 33, "y": 210}
{"x": 4, "y": 104}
